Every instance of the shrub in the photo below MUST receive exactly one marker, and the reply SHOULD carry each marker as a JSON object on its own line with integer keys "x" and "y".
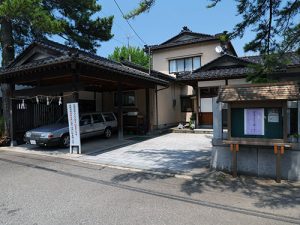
{"x": 1, "y": 125}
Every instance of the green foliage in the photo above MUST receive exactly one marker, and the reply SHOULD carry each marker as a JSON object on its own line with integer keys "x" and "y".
{"x": 192, "y": 121}
{"x": 73, "y": 20}
{"x": 1, "y": 125}
{"x": 144, "y": 6}
{"x": 138, "y": 56}
{"x": 264, "y": 72}
{"x": 275, "y": 22}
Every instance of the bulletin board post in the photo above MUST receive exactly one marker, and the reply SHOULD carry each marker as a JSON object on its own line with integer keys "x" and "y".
{"x": 74, "y": 128}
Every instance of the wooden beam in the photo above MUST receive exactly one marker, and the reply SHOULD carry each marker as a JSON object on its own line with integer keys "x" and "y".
{"x": 53, "y": 89}
{"x": 120, "y": 111}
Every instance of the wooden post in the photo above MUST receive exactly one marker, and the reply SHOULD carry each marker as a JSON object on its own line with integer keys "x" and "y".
{"x": 147, "y": 92}
{"x": 197, "y": 106}
{"x": 278, "y": 166}
{"x": 11, "y": 115}
{"x": 75, "y": 81}
{"x": 120, "y": 111}
{"x": 229, "y": 121}
{"x": 285, "y": 122}
{"x": 234, "y": 161}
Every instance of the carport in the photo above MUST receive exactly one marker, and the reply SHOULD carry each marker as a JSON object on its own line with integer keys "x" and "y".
{"x": 47, "y": 68}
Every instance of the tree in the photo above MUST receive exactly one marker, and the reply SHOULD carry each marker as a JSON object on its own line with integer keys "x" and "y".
{"x": 26, "y": 20}
{"x": 275, "y": 22}
{"x": 135, "y": 54}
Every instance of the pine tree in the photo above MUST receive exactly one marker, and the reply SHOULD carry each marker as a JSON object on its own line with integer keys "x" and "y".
{"x": 26, "y": 20}
{"x": 135, "y": 54}
{"x": 276, "y": 24}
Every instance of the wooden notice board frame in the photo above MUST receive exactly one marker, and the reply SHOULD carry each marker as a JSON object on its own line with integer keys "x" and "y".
{"x": 259, "y": 96}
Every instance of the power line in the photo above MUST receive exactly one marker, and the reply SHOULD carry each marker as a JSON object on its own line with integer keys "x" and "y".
{"x": 117, "y": 40}
{"x": 124, "y": 30}
{"x": 129, "y": 23}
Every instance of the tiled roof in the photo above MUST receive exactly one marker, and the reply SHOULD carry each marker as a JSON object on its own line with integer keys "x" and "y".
{"x": 185, "y": 42}
{"x": 173, "y": 42}
{"x": 254, "y": 92}
{"x": 232, "y": 72}
{"x": 72, "y": 54}
{"x": 153, "y": 73}
{"x": 215, "y": 74}
{"x": 293, "y": 58}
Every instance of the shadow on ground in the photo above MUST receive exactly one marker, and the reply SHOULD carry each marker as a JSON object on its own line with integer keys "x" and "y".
{"x": 265, "y": 193}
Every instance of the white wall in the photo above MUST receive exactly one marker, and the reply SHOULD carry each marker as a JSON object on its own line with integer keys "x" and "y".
{"x": 160, "y": 58}
{"x": 237, "y": 81}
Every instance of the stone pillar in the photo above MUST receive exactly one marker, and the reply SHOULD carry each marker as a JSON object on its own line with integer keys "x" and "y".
{"x": 217, "y": 121}
{"x": 298, "y": 105}
{"x": 288, "y": 121}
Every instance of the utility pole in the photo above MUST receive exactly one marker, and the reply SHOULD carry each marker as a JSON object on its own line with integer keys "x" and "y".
{"x": 128, "y": 47}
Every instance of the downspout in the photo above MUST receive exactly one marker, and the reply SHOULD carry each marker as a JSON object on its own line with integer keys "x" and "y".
{"x": 156, "y": 102}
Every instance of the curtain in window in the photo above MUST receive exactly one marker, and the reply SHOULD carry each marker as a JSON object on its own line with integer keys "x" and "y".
{"x": 188, "y": 64}
{"x": 196, "y": 63}
{"x": 173, "y": 66}
{"x": 180, "y": 65}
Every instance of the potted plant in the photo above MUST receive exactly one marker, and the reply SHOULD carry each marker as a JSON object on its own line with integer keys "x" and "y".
{"x": 192, "y": 123}
{"x": 294, "y": 138}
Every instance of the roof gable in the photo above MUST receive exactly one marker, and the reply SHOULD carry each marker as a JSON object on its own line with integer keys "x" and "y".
{"x": 224, "y": 61}
{"x": 185, "y": 35}
{"x": 33, "y": 53}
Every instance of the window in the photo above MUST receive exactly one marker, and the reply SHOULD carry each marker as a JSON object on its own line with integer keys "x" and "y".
{"x": 187, "y": 104}
{"x": 108, "y": 117}
{"x": 97, "y": 118}
{"x": 85, "y": 120}
{"x": 128, "y": 98}
{"x": 185, "y": 64}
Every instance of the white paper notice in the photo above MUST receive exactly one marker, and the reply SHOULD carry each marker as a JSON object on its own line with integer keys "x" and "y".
{"x": 254, "y": 123}
{"x": 74, "y": 128}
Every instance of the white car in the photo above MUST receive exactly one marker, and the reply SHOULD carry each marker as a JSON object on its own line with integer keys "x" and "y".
{"x": 91, "y": 124}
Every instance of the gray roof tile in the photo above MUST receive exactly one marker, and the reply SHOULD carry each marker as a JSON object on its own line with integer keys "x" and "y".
{"x": 72, "y": 54}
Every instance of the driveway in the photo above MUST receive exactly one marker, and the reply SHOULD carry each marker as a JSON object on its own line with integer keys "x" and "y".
{"x": 179, "y": 153}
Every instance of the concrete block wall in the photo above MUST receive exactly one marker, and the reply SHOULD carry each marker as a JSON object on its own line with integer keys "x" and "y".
{"x": 257, "y": 161}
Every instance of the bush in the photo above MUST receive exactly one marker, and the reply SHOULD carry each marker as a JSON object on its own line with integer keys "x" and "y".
{"x": 1, "y": 125}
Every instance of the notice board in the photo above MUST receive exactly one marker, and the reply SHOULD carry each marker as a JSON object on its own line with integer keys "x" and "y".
{"x": 257, "y": 123}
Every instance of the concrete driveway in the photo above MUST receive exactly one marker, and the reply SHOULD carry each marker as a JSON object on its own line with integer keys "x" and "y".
{"x": 178, "y": 153}
{"x": 181, "y": 153}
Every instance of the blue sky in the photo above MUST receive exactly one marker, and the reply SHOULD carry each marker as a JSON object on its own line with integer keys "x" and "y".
{"x": 167, "y": 18}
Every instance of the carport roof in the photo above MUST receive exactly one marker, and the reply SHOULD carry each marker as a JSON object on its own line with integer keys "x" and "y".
{"x": 259, "y": 92}
{"x": 64, "y": 54}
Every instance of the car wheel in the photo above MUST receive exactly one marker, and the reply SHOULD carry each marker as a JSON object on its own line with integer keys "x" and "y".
{"x": 65, "y": 141}
{"x": 107, "y": 132}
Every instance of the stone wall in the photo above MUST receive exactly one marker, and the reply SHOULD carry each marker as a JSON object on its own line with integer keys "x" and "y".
{"x": 257, "y": 161}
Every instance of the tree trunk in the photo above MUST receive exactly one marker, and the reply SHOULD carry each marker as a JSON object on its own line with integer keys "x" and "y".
{"x": 8, "y": 54}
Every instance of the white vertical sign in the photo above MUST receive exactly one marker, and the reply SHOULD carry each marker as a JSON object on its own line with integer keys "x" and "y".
{"x": 74, "y": 127}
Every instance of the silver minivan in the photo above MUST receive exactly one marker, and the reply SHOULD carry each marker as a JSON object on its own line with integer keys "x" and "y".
{"x": 91, "y": 124}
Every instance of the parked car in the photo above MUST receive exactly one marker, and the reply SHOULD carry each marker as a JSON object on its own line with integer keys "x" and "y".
{"x": 91, "y": 124}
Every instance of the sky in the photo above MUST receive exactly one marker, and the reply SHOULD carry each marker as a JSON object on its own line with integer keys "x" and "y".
{"x": 166, "y": 19}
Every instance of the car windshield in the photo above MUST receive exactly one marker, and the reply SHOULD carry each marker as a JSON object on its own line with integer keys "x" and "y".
{"x": 63, "y": 119}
